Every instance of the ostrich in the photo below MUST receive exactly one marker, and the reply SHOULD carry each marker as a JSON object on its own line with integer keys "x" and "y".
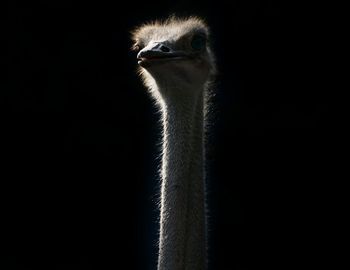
{"x": 176, "y": 65}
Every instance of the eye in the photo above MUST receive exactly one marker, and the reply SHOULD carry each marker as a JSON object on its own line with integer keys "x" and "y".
{"x": 198, "y": 42}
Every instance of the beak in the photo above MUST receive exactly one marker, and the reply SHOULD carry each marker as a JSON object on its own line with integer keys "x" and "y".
{"x": 157, "y": 52}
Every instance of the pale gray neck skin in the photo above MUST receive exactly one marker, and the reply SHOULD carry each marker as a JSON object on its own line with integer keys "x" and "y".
{"x": 182, "y": 243}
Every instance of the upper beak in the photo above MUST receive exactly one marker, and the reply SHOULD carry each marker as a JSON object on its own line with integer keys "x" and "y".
{"x": 156, "y": 52}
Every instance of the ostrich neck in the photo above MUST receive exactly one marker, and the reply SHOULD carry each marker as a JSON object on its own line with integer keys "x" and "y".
{"x": 182, "y": 243}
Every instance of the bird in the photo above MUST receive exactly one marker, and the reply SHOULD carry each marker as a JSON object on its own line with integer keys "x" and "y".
{"x": 178, "y": 67}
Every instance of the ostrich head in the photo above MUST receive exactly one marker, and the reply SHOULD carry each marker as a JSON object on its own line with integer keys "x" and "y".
{"x": 174, "y": 54}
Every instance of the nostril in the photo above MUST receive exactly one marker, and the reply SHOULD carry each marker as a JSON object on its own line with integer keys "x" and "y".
{"x": 164, "y": 49}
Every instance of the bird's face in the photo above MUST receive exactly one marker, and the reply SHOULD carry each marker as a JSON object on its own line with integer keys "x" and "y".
{"x": 175, "y": 52}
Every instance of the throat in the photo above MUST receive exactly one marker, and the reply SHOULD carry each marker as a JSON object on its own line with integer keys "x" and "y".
{"x": 182, "y": 223}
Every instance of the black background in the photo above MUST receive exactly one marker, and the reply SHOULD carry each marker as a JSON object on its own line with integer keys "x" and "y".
{"x": 81, "y": 139}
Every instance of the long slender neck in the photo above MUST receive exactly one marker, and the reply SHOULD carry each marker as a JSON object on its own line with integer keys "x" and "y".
{"x": 182, "y": 243}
